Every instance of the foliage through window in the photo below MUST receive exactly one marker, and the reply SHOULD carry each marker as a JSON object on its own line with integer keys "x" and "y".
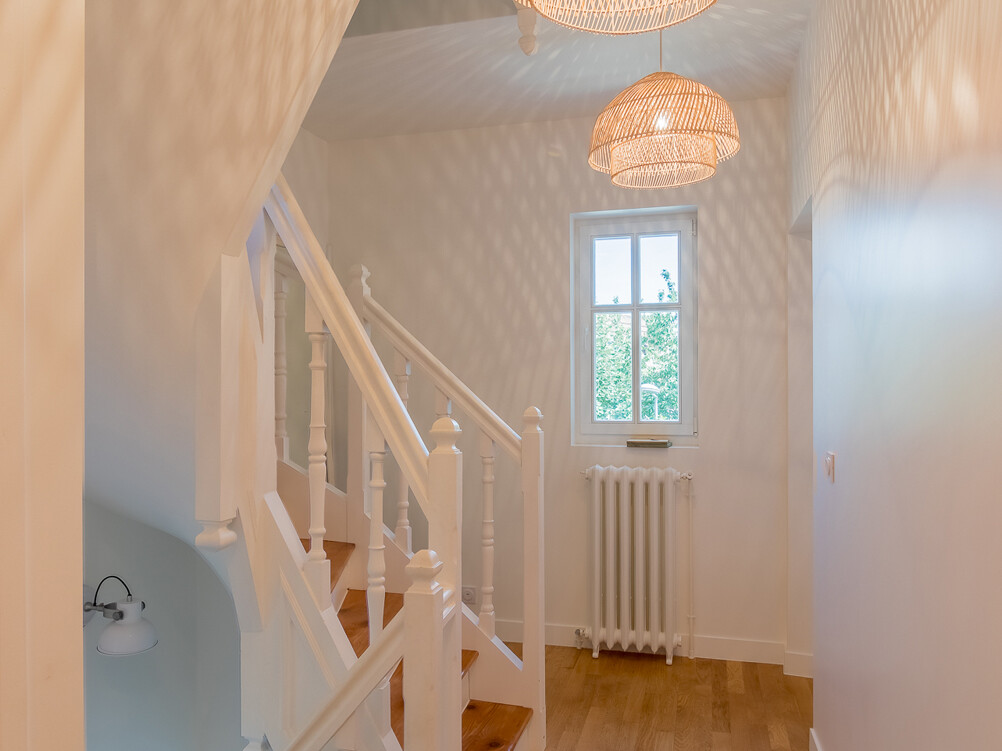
{"x": 634, "y": 325}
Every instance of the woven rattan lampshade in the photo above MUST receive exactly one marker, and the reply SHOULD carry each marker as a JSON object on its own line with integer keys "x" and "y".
{"x": 663, "y": 131}
{"x": 618, "y": 16}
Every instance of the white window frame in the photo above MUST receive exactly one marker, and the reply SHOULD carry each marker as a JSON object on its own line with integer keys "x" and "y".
{"x": 585, "y": 228}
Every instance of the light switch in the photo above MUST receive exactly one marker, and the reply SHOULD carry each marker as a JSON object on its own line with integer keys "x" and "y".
{"x": 830, "y": 465}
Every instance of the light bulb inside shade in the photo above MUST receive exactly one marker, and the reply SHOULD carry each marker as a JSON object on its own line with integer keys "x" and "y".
{"x": 663, "y": 160}
{"x": 131, "y": 635}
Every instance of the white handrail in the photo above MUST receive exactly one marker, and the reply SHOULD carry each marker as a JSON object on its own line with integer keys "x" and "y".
{"x": 445, "y": 380}
{"x": 360, "y": 356}
{"x": 364, "y": 677}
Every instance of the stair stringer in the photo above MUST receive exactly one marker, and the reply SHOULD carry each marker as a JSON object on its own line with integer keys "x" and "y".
{"x": 291, "y": 666}
{"x": 297, "y": 653}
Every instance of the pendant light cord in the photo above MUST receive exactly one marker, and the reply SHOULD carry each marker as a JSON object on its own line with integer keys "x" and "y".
{"x": 661, "y": 44}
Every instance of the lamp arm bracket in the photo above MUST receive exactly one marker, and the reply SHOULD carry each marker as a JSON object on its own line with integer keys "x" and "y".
{"x": 108, "y": 611}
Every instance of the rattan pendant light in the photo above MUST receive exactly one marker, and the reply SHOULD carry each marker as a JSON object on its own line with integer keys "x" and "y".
{"x": 664, "y": 131}
{"x": 618, "y": 16}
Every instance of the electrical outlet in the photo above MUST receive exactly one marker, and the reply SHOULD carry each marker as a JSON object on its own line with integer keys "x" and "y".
{"x": 581, "y": 635}
{"x": 469, "y": 596}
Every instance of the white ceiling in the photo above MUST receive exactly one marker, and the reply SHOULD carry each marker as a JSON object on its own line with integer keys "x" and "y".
{"x": 453, "y": 73}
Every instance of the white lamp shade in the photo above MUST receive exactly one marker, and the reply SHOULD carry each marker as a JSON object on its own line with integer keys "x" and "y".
{"x": 131, "y": 635}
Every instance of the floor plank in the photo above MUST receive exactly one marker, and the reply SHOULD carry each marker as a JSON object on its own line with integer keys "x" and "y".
{"x": 638, "y": 702}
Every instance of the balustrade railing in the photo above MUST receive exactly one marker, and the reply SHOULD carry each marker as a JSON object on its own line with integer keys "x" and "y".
{"x": 434, "y": 479}
{"x": 380, "y": 424}
{"x": 494, "y": 434}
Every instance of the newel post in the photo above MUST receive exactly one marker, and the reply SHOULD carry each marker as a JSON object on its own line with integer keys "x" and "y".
{"x": 445, "y": 525}
{"x": 424, "y": 688}
{"x": 533, "y": 656}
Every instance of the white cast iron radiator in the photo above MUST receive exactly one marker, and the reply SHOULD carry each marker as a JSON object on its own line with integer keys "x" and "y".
{"x": 633, "y": 553}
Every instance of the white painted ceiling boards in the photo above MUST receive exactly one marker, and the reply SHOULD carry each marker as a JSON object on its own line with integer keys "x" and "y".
{"x": 413, "y": 66}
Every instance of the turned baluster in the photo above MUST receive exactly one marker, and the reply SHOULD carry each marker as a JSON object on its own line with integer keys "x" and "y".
{"x": 402, "y": 370}
{"x": 317, "y": 563}
{"x": 376, "y": 589}
{"x": 443, "y": 405}
{"x": 487, "y": 586}
{"x": 281, "y": 368}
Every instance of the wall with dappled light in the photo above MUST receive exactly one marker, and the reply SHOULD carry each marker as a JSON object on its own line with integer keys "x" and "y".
{"x": 895, "y": 112}
{"x": 466, "y": 234}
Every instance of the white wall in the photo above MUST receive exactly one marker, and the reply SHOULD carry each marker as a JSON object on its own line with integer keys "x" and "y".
{"x": 467, "y": 237}
{"x": 191, "y": 108}
{"x": 895, "y": 136}
{"x": 41, "y": 372}
{"x": 185, "y": 692}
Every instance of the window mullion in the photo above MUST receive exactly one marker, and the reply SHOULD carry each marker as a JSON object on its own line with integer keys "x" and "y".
{"x": 635, "y": 299}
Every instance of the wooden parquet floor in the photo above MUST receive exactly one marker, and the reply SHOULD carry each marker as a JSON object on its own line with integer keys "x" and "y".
{"x": 628, "y": 701}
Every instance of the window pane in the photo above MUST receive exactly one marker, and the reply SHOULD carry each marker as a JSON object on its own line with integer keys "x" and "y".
{"x": 659, "y": 268}
{"x": 659, "y": 367}
{"x": 613, "y": 367}
{"x": 612, "y": 271}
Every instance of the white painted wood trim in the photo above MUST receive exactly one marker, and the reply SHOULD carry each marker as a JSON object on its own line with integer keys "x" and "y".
{"x": 800, "y": 664}
{"x": 709, "y": 647}
{"x": 372, "y": 667}
{"x": 445, "y": 380}
{"x": 331, "y": 300}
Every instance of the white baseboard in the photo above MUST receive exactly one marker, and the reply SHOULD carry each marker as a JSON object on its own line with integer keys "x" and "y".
{"x": 815, "y": 743}
{"x": 711, "y": 647}
{"x": 740, "y": 650}
{"x": 557, "y": 634}
{"x": 799, "y": 664}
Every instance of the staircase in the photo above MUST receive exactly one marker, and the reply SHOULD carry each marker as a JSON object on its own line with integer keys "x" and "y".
{"x": 351, "y": 640}
{"x": 486, "y": 725}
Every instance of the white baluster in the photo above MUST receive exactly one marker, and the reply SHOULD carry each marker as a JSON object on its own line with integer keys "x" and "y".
{"x": 402, "y": 372}
{"x": 358, "y": 418}
{"x": 445, "y": 524}
{"x": 487, "y": 587}
{"x": 533, "y": 658}
{"x": 424, "y": 689}
{"x": 376, "y": 590}
{"x": 443, "y": 405}
{"x": 318, "y": 567}
{"x": 281, "y": 368}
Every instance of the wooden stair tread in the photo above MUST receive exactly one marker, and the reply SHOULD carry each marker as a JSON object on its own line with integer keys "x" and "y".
{"x": 493, "y": 727}
{"x": 354, "y": 616}
{"x": 338, "y": 553}
{"x": 485, "y": 725}
{"x": 469, "y": 657}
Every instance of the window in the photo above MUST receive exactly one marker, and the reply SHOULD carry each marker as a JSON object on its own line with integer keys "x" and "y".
{"x": 634, "y": 325}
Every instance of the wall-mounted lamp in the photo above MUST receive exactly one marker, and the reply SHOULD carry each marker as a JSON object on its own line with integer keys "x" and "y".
{"x": 128, "y": 633}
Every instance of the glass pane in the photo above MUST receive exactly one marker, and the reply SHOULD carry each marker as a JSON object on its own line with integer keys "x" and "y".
{"x": 613, "y": 367}
{"x": 659, "y": 366}
{"x": 612, "y": 271}
{"x": 659, "y": 268}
